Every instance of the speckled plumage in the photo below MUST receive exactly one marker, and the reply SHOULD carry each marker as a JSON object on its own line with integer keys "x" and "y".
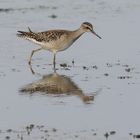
{"x": 46, "y": 36}
{"x": 55, "y": 40}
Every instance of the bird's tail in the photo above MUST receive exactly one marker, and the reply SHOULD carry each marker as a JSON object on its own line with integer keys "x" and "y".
{"x": 26, "y": 35}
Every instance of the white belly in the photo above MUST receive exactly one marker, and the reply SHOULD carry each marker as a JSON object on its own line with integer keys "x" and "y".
{"x": 55, "y": 46}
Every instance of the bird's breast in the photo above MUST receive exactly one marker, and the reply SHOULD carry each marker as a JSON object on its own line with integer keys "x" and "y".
{"x": 60, "y": 44}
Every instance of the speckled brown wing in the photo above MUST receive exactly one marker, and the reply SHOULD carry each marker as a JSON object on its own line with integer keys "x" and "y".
{"x": 47, "y": 36}
{"x": 51, "y": 35}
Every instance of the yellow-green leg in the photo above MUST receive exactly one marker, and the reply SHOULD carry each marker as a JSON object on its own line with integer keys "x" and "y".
{"x": 54, "y": 57}
{"x": 32, "y": 53}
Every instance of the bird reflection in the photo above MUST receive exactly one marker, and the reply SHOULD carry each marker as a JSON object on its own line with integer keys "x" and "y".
{"x": 57, "y": 85}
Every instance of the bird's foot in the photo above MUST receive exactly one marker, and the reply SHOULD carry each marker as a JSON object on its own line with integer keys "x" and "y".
{"x": 29, "y": 62}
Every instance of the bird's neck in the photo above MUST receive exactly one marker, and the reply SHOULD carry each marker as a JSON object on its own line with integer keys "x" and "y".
{"x": 77, "y": 33}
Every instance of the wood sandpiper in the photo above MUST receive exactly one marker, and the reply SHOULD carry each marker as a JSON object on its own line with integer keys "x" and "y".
{"x": 55, "y": 40}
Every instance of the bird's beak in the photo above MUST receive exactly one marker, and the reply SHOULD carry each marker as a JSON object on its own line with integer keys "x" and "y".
{"x": 96, "y": 34}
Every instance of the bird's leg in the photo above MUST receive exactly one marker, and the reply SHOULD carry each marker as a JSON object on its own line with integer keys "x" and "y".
{"x": 30, "y": 66}
{"x": 54, "y": 63}
{"x": 32, "y": 53}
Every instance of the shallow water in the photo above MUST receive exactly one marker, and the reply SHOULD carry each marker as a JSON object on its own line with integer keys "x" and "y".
{"x": 97, "y": 97}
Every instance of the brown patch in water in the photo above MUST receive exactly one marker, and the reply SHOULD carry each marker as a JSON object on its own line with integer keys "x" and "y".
{"x": 136, "y": 136}
{"x": 112, "y": 132}
{"x": 127, "y": 69}
{"x": 106, "y": 135}
{"x": 53, "y": 16}
{"x": 95, "y": 67}
{"x": 56, "y": 84}
{"x": 124, "y": 77}
{"x": 106, "y": 74}
{"x": 85, "y": 68}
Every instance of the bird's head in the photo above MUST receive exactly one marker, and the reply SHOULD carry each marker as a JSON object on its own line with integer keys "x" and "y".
{"x": 87, "y": 27}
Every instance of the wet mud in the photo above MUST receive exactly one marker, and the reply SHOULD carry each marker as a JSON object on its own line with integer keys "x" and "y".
{"x": 93, "y": 93}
